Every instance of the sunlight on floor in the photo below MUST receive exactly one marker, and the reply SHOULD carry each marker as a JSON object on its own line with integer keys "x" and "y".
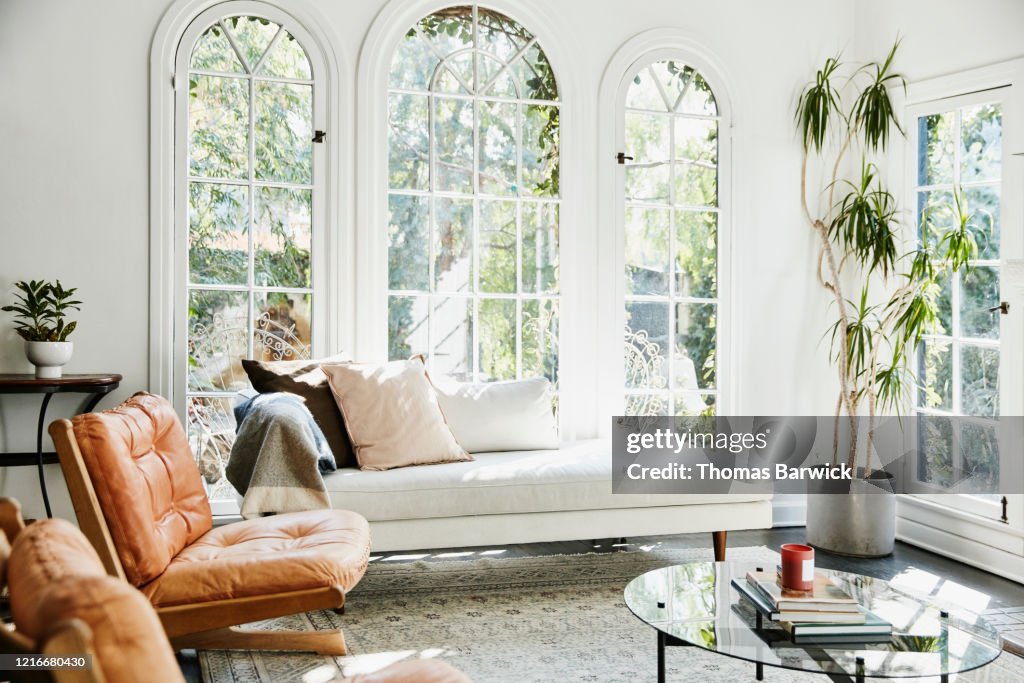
{"x": 368, "y": 663}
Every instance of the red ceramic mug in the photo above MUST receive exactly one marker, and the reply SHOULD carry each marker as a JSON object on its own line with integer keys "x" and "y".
{"x": 797, "y": 566}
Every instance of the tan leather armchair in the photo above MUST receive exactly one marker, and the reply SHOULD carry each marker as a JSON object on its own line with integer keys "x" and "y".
{"x": 140, "y": 500}
{"x": 63, "y": 603}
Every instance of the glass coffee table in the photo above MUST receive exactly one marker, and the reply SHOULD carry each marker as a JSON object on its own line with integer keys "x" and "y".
{"x": 696, "y": 605}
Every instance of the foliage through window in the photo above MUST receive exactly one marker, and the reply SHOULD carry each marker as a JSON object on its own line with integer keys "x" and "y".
{"x": 959, "y": 159}
{"x": 671, "y": 123}
{"x": 249, "y": 196}
{"x": 473, "y": 118}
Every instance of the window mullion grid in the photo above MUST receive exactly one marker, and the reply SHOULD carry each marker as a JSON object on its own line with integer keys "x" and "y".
{"x": 251, "y": 322}
{"x": 519, "y": 241}
{"x": 671, "y": 340}
{"x": 432, "y": 187}
{"x": 475, "y": 303}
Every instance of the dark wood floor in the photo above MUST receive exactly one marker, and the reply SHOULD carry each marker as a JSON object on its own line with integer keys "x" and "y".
{"x": 1004, "y": 593}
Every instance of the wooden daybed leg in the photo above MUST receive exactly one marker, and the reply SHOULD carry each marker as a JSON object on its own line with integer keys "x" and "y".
{"x": 718, "y": 539}
{"x": 237, "y": 638}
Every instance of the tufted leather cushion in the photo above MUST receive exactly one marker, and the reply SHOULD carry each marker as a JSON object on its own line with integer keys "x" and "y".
{"x": 418, "y": 671}
{"x": 146, "y": 481}
{"x": 44, "y": 554}
{"x": 54, "y": 574}
{"x": 288, "y": 552}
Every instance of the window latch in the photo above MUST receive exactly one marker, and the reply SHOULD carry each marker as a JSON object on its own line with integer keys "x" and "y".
{"x": 621, "y": 157}
{"x": 1005, "y": 519}
{"x": 319, "y": 136}
{"x": 1003, "y": 308}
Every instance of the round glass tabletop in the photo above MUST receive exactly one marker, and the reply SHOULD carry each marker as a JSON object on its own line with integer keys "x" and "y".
{"x": 697, "y": 604}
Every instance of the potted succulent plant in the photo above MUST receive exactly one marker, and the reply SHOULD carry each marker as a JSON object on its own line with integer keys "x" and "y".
{"x": 40, "y": 310}
{"x": 862, "y": 245}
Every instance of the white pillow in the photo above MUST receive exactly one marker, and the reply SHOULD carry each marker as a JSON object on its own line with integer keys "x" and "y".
{"x": 500, "y": 416}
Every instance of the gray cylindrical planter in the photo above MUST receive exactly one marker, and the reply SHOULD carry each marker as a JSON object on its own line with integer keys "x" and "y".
{"x": 856, "y": 517}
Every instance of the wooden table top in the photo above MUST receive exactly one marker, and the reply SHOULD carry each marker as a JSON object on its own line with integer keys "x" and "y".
{"x": 84, "y": 381}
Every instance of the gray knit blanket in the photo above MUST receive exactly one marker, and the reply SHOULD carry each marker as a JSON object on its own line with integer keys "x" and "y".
{"x": 278, "y": 456}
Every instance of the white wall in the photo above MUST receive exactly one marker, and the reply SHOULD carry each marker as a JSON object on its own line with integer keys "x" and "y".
{"x": 73, "y": 186}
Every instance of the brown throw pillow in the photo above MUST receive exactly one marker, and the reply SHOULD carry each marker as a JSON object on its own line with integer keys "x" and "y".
{"x": 305, "y": 379}
{"x": 391, "y": 414}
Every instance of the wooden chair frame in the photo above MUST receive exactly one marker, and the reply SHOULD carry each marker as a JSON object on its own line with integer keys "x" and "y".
{"x": 211, "y": 625}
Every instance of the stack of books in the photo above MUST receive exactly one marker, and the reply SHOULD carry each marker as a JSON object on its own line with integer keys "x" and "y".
{"x": 824, "y": 614}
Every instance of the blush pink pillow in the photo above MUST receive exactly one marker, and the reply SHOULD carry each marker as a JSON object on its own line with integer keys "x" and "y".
{"x": 391, "y": 414}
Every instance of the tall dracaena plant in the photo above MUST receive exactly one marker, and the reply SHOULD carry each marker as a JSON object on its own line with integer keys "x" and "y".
{"x": 858, "y": 229}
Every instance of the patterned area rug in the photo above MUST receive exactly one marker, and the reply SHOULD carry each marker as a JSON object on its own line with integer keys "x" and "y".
{"x": 554, "y": 618}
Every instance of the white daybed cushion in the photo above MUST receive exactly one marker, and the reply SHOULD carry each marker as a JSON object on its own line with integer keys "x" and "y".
{"x": 576, "y": 477}
{"x": 500, "y": 416}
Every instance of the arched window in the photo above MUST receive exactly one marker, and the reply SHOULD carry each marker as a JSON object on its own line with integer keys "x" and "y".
{"x": 473, "y": 198}
{"x": 248, "y": 181}
{"x": 671, "y": 130}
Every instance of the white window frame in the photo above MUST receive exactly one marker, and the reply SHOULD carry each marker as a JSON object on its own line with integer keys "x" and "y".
{"x": 478, "y": 96}
{"x": 167, "y": 220}
{"x": 576, "y": 387}
{"x": 636, "y": 54}
{"x": 927, "y": 521}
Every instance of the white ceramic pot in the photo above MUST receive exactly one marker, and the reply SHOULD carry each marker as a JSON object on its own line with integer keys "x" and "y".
{"x": 48, "y": 357}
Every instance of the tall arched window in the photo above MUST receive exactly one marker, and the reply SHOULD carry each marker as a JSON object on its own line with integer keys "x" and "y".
{"x": 248, "y": 214}
{"x": 473, "y": 198}
{"x": 671, "y": 131}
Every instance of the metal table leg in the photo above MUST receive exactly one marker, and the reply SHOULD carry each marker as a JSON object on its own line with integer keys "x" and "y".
{"x": 661, "y": 657}
{"x": 39, "y": 452}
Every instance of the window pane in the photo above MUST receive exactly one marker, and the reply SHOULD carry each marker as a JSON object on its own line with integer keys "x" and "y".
{"x": 647, "y": 404}
{"x": 498, "y": 148}
{"x": 408, "y": 146}
{"x": 284, "y": 132}
{"x": 982, "y": 206}
{"x": 540, "y": 339}
{"x": 455, "y": 75}
{"x": 407, "y": 326}
{"x": 498, "y": 35}
{"x": 935, "y": 153}
{"x": 935, "y": 360}
{"x": 647, "y": 251}
{"x": 693, "y": 365}
{"x": 644, "y": 93}
{"x": 413, "y": 63}
{"x": 281, "y": 330}
{"x": 453, "y": 245}
{"x": 213, "y": 52}
{"x": 646, "y": 343}
{"x": 408, "y": 250}
{"x": 691, "y": 404}
{"x": 697, "y": 172}
{"x": 935, "y": 442}
{"x": 540, "y": 247}
{"x": 211, "y": 431}
{"x": 283, "y": 238}
{"x": 981, "y": 143}
{"x": 533, "y": 71}
{"x": 219, "y": 127}
{"x": 452, "y": 334}
{"x": 453, "y": 144}
{"x": 497, "y": 246}
{"x": 540, "y": 150}
{"x": 252, "y": 35}
{"x": 979, "y": 292}
{"x": 287, "y": 59}
{"x": 696, "y": 261}
{"x": 647, "y": 138}
{"x": 497, "y": 349}
{"x": 449, "y": 30}
{"x": 979, "y": 372}
{"x": 218, "y": 332}
{"x": 979, "y": 448}
{"x": 218, "y": 229}
{"x": 493, "y": 79}
{"x": 944, "y": 305}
